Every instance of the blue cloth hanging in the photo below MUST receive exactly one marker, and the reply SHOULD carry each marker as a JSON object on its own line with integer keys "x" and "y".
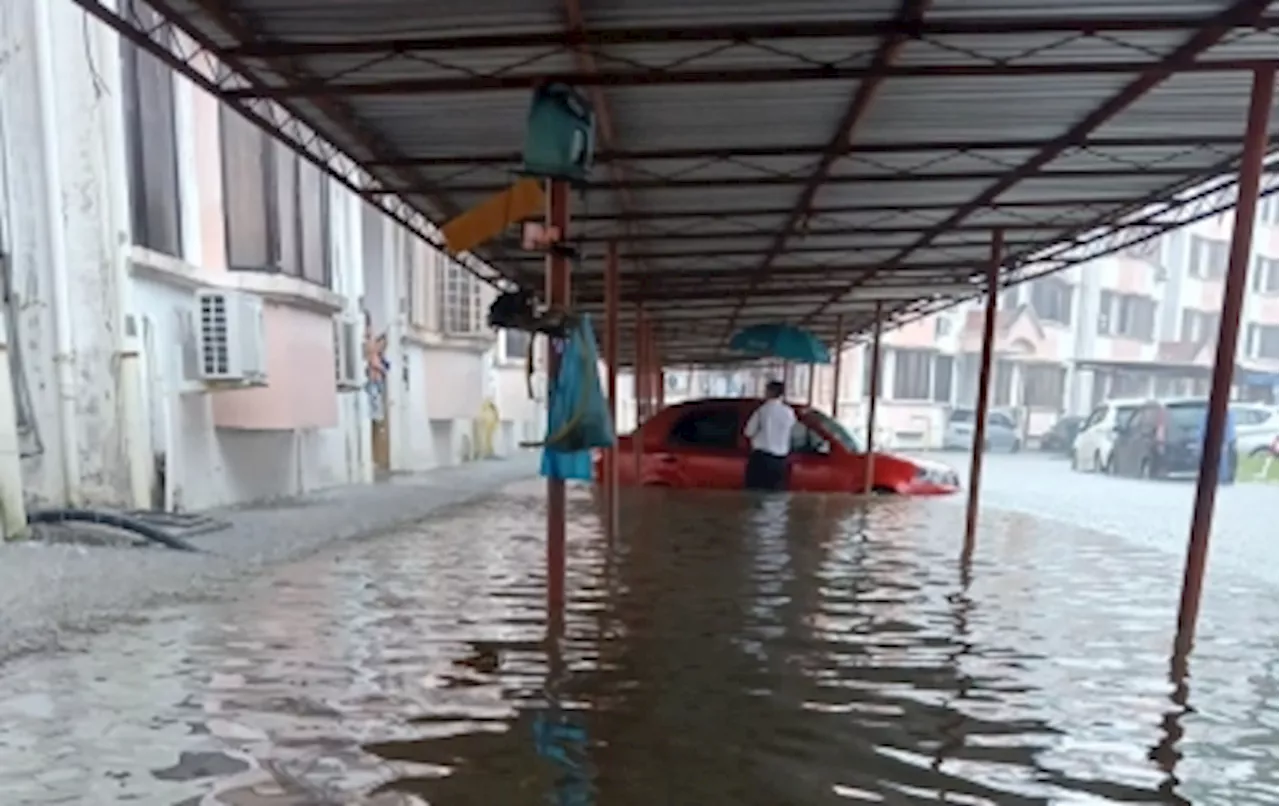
{"x": 578, "y": 417}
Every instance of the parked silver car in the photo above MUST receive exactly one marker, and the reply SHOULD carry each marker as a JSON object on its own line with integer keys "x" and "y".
{"x": 1002, "y": 432}
{"x": 1257, "y": 426}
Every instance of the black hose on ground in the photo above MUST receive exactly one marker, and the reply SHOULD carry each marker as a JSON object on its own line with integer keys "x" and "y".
{"x": 112, "y": 519}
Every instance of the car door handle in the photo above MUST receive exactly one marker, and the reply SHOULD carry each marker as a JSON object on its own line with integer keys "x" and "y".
{"x": 667, "y": 459}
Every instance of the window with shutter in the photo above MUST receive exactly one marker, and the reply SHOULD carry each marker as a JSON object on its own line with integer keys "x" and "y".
{"x": 151, "y": 143}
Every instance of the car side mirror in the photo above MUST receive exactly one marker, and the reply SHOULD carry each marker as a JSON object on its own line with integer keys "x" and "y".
{"x": 824, "y": 448}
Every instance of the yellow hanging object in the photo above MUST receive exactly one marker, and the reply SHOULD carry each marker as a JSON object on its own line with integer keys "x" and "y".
{"x": 488, "y": 426}
{"x": 487, "y": 220}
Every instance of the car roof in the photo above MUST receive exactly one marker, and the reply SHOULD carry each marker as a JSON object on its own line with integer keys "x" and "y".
{"x": 1248, "y": 404}
{"x": 727, "y": 401}
{"x": 1125, "y": 401}
{"x": 741, "y": 404}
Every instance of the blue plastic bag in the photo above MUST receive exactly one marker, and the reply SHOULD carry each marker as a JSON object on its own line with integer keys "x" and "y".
{"x": 578, "y": 416}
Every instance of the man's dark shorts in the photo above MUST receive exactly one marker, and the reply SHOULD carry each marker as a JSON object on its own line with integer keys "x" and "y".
{"x": 766, "y": 471}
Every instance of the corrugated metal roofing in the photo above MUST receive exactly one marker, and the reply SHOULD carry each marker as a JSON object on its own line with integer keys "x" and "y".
{"x": 985, "y": 113}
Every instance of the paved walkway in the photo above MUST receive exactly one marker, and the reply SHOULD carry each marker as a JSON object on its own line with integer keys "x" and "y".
{"x": 52, "y": 594}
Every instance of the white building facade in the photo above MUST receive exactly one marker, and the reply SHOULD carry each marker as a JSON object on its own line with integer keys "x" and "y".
{"x": 1141, "y": 322}
{"x": 127, "y": 193}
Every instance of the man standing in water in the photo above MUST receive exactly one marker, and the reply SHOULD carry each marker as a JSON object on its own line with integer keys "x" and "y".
{"x": 769, "y": 429}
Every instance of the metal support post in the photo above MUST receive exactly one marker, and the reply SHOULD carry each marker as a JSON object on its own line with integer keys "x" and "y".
{"x": 868, "y": 481}
{"x": 557, "y": 293}
{"x": 835, "y": 369}
{"x": 1255, "y": 148}
{"x": 609, "y": 468}
{"x": 984, "y": 394}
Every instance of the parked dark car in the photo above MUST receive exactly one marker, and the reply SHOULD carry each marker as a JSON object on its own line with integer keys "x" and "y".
{"x": 1062, "y": 435}
{"x": 1166, "y": 437}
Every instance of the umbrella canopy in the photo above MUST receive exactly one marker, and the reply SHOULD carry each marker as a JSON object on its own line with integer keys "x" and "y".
{"x": 781, "y": 341}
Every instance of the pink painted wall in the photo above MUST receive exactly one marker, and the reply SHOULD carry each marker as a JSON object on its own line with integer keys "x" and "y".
{"x": 914, "y": 335}
{"x": 300, "y": 382}
{"x": 1122, "y": 349}
{"x": 1132, "y": 276}
{"x": 1268, "y": 310}
{"x": 1210, "y": 294}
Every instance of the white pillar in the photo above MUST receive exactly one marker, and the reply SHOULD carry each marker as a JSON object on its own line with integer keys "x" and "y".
{"x": 64, "y": 350}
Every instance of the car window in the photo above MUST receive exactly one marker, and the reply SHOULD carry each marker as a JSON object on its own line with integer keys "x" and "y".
{"x": 999, "y": 420}
{"x": 1095, "y": 417}
{"x": 707, "y": 428}
{"x": 1124, "y": 415}
{"x": 961, "y": 416}
{"x": 1188, "y": 416}
{"x": 836, "y": 430}
{"x": 805, "y": 440}
{"x": 1247, "y": 415}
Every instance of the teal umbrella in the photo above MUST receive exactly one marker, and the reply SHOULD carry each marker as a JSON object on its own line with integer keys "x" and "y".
{"x": 781, "y": 341}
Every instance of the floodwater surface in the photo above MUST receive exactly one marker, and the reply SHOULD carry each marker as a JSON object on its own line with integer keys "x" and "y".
{"x": 722, "y": 650}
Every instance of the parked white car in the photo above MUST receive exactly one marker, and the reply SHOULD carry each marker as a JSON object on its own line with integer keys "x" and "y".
{"x": 1257, "y": 425}
{"x": 1092, "y": 448}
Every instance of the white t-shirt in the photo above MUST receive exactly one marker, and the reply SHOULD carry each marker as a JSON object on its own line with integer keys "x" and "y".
{"x": 769, "y": 427}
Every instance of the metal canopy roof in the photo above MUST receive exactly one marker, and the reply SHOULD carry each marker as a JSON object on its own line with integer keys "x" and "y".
{"x": 761, "y": 161}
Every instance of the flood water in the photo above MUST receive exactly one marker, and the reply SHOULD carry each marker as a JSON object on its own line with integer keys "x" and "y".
{"x": 723, "y": 650}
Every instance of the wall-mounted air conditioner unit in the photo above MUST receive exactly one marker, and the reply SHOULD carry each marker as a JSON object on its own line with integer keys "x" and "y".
{"x": 231, "y": 346}
{"x": 348, "y": 349}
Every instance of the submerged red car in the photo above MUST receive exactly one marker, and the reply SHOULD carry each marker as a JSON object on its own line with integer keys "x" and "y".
{"x": 700, "y": 444}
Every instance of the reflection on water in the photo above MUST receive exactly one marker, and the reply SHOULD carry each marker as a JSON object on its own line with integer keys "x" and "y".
{"x": 724, "y": 650}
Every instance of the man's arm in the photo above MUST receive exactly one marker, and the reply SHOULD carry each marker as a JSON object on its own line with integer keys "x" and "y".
{"x": 753, "y": 425}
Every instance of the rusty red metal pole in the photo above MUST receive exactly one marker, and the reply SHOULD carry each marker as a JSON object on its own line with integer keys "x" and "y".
{"x": 659, "y": 374}
{"x": 644, "y": 377}
{"x": 609, "y": 483}
{"x": 638, "y": 384}
{"x": 1255, "y": 147}
{"x": 557, "y": 291}
{"x": 984, "y": 394}
{"x": 835, "y": 369}
{"x": 868, "y": 481}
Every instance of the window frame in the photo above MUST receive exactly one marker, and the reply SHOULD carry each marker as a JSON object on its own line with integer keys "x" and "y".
{"x": 1053, "y": 300}
{"x": 1207, "y": 258}
{"x": 524, "y": 341}
{"x": 1265, "y": 277}
{"x": 282, "y": 201}
{"x": 900, "y": 390}
{"x": 1255, "y": 335}
{"x": 815, "y": 438}
{"x": 149, "y": 104}
{"x": 706, "y": 412}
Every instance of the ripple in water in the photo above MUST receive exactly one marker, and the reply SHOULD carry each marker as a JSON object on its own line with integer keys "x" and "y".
{"x": 723, "y": 650}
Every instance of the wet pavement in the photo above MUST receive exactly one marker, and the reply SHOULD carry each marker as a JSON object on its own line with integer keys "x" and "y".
{"x": 722, "y": 650}
{"x": 1151, "y": 514}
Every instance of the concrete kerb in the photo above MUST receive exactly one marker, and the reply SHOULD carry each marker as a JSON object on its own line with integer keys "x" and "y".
{"x": 53, "y": 595}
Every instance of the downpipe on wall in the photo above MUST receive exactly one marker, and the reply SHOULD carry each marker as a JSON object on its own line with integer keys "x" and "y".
{"x": 64, "y": 355}
{"x": 134, "y": 404}
{"x": 13, "y": 512}
{"x": 133, "y": 417}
